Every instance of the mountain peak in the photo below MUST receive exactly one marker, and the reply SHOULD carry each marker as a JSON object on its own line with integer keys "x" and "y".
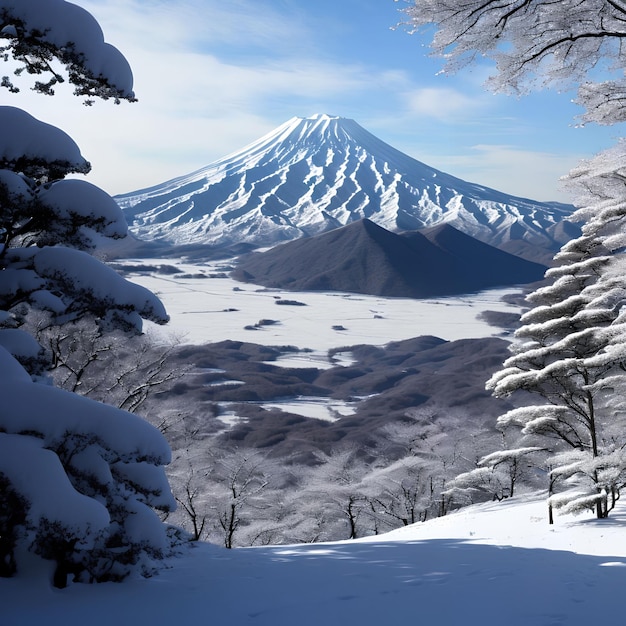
{"x": 321, "y": 116}
{"x": 313, "y": 174}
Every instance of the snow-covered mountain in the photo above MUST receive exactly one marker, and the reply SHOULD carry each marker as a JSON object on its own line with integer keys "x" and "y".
{"x": 314, "y": 174}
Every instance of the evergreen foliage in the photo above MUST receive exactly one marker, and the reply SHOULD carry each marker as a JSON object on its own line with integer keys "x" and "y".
{"x": 79, "y": 480}
{"x": 571, "y": 348}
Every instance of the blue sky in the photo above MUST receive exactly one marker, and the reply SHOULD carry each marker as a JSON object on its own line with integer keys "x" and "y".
{"x": 212, "y": 76}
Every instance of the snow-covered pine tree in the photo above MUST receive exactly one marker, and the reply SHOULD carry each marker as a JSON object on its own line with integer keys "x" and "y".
{"x": 79, "y": 481}
{"x": 49, "y": 226}
{"x": 571, "y": 348}
{"x": 39, "y": 35}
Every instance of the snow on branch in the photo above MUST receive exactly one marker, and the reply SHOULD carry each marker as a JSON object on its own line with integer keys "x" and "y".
{"x": 11, "y": 370}
{"x": 533, "y": 415}
{"x": 84, "y": 478}
{"x": 77, "y": 202}
{"x": 91, "y": 285}
{"x": 38, "y": 476}
{"x": 504, "y": 456}
{"x": 568, "y": 464}
{"x": 37, "y": 31}
{"x": 573, "y": 503}
{"x": 25, "y": 349}
{"x": 38, "y": 150}
{"x": 52, "y": 413}
{"x": 534, "y": 44}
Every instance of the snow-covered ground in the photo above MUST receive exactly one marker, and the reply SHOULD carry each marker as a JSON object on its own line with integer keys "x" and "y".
{"x": 498, "y": 564}
{"x": 207, "y": 310}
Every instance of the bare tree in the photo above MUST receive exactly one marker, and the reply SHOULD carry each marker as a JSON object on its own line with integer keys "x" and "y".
{"x": 117, "y": 368}
{"x": 397, "y": 494}
{"x": 242, "y": 479}
{"x": 337, "y": 483}
{"x": 536, "y": 43}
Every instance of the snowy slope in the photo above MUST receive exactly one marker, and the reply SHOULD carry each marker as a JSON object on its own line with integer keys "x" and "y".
{"x": 498, "y": 564}
{"x": 315, "y": 174}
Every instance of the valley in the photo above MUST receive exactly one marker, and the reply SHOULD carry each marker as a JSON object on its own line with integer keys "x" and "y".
{"x": 336, "y": 309}
{"x": 287, "y": 389}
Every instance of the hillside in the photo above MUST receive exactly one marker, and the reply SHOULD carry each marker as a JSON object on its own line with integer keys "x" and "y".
{"x": 380, "y": 386}
{"x": 315, "y": 174}
{"x": 365, "y": 258}
{"x": 493, "y": 564}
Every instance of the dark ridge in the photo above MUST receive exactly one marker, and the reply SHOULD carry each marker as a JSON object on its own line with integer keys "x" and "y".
{"x": 365, "y": 258}
{"x": 476, "y": 261}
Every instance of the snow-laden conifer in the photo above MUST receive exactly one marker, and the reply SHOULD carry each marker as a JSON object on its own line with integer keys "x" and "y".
{"x": 570, "y": 350}
{"x": 40, "y": 34}
{"x": 80, "y": 481}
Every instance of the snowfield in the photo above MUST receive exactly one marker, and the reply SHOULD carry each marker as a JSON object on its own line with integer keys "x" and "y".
{"x": 498, "y": 564}
{"x": 209, "y": 309}
{"x": 206, "y": 309}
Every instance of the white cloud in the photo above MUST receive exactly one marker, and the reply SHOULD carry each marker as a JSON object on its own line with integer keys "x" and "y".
{"x": 444, "y": 103}
{"x": 525, "y": 173}
{"x": 193, "y": 107}
{"x": 201, "y": 25}
{"x": 192, "y": 110}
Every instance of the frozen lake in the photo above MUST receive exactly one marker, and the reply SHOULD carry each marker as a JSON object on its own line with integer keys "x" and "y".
{"x": 208, "y": 310}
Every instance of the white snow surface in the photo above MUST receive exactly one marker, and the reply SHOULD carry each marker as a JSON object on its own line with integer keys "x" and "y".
{"x": 19, "y": 343}
{"x": 86, "y": 275}
{"x": 31, "y": 407}
{"x": 37, "y": 475}
{"x": 12, "y": 371}
{"x": 25, "y": 136}
{"x": 16, "y": 186}
{"x": 74, "y": 198}
{"x": 498, "y": 564}
{"x": 210, "y": 309}
{"x": 65, "y": 23}
{"x": 314, "y": 174}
